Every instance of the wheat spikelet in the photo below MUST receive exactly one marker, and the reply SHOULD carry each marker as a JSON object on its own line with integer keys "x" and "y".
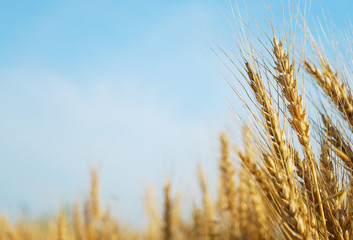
{"x": 287, "y": 201}
{"x": 12, "y": 234}
{"x": 336, "y": 138}
{"x": 95, "y": 194}
{"x": 227, "y": 174}
{"x": 291, "y": 203}
{"x": 299, "y": 121}
{"x": 89, "y": 231}
{"x": 333, "y": 88}
{"x": 330, "y": 183}
{"x": 77, "y": 223}
{"x": 154, "y": 223}
{"x": 291, "y": 206}
{"x": 3, "y": 227}
{"x": 262, "y": 222}
{"x": 244, "y": 206}
{"x": 115, "y": 231}
{"x": 109, "y": 227}
{"x": 197, "y": 228}
{"x": 7, "y": 231}
{"x": 327, "y": 169}
{"x": 282, "y": 166}
{"x": 168, "y": 211}
{"x": 272, "y": 124}
{"x": 251, "y": 164}
{"x": 228, "y": 187}
{"x": 208, "y": 209}
{"x": 62, "y": 227}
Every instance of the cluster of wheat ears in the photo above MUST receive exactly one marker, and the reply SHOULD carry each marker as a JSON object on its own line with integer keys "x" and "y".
{"x": 293, "y": 176}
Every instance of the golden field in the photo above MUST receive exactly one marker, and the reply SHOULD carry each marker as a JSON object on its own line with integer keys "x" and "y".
{"x": 294, "y": 173}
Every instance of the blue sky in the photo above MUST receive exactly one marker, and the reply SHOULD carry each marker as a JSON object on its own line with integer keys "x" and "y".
{"x": 123, "y": 86}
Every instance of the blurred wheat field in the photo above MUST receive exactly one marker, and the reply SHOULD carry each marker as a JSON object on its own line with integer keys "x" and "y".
{"x": 291, "y": 178}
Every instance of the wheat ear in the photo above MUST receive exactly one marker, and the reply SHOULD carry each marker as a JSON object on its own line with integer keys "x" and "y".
{"x": 95, "y": 194}
{"x": 208, "y": 209}
{"x": 272, "y": 123}
{"x": 299, "y": 121}
{"x": 77, "y": 222}
{"x": 333, "y": 88}
{"x": 228, "y": 185}
{"x": 62, "y": 228}
{"x": 339, "y": 144}
{"x": 167, "y": 229}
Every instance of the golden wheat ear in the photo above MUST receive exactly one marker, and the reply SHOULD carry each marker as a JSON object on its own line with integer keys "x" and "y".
{"x": 330, "y": 181}
{"x": 208, "y": 223}
{"x": 62, "y": 226}
{"x": 197, "y": 228}
{"x": 228, "y": 189}
{"x": 78, "y": 226}
{"x": 154, "y": 219}
{"x": 339, "y": 143}
{"x": 287, "y": 80}
{"x": 168, "y": 211}
{"x": 333, "y": 88}
{"x": 7, "y": 231}
{"x": 95, "y": 194}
